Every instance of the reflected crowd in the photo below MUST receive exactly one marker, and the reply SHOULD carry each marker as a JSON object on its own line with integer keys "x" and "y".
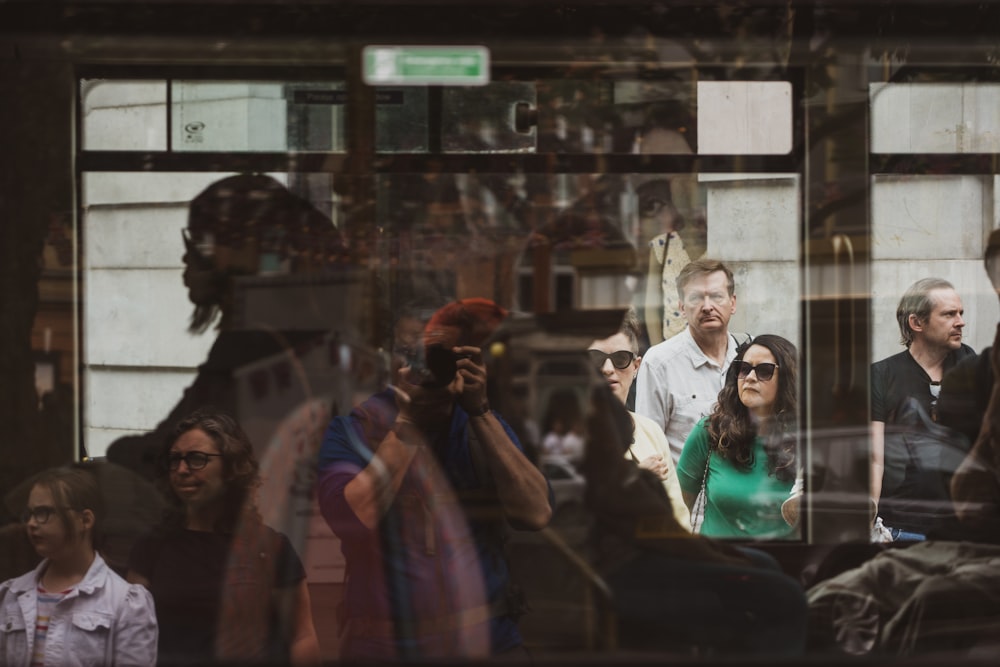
{"x": 453, "y": 475}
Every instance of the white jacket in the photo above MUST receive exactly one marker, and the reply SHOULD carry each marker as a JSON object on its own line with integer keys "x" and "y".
{"x": 103, "y": 621}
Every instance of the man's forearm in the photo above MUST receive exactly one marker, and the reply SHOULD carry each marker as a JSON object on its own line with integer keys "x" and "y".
{"x": 372, "y": 491}
{"x": 522, "y": 489}
{"x": 877, "y": 460}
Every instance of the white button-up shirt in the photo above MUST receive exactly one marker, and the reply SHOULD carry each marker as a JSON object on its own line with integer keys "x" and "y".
{"x": 678, "y": 384}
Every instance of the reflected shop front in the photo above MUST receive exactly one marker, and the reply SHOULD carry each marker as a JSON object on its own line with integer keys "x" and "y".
{"x": 441, "y": 331}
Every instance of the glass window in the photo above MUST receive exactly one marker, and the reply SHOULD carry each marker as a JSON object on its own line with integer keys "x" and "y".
{"x": 386, "y": 285}
{"x": 124, "y": 115}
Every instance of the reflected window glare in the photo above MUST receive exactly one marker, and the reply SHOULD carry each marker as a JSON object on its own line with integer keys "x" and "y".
{"x": 697, "y": 298}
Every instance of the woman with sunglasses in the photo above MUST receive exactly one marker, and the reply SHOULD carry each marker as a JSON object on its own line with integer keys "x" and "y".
{"x": 72, "y": 609}
{"x": 617, "y": 360}
{"x": 226, "y": 587}
{"x": 744, "y": 453}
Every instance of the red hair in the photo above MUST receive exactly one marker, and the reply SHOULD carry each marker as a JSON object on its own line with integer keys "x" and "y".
{"x": 473, "y": 321}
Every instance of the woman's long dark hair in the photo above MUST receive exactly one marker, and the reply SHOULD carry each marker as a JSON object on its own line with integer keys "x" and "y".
{"x": 732, "y": 430}
{"x": 240, "y": 468}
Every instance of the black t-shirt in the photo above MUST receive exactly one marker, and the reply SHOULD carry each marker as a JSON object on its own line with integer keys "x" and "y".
{"x": 896, "y": 378}
{"x": 186, "y": 570}
{"x": 965, "y": 395}
{"x": 920, "y": 456}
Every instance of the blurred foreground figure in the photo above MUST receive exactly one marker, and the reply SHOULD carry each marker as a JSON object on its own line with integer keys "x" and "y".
{"x": 238, "y": 228}
{"x": 935, "y": 595}
{"x": 419, "y": 483}
{"x": 226, "y": 587}
{"x": 72, "y": 609}
{"x": 674, "y": 591}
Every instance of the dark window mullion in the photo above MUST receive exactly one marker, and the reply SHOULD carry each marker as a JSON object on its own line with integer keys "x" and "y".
{"x": 934, "y": 163}
{"x": 209, "y": 161}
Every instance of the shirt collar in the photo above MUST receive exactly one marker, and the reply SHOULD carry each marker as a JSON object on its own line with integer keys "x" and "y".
{"x": 699, "y": 358}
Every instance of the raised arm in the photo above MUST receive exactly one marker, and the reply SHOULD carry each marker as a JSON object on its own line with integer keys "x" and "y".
{"x": 305, "y": 644}
{"x": 371, "y": 492}
{"x": 521, "y": 487}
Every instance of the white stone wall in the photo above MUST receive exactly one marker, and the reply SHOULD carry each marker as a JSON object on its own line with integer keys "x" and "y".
{"x": 933, "y": 225}
{"x": 215, "y": 116}
{"x": 753, "y": 226}
{"x": 744, "y": 117}
{"x": 935, "y": 117}
{"x": 124, "y": 115}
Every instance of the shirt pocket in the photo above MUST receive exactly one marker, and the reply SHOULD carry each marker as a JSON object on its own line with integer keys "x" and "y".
{"x": 690, "y": 407}
{"x": 91, "y": 632}
{"x": 13, "y": 638}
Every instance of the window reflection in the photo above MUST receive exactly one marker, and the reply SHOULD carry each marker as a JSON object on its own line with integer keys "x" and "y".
{"x": 328, "y": 321}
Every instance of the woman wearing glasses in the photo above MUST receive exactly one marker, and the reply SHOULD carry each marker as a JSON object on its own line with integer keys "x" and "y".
{"x": 226, "y": 586}
{"x": 744, "y": 453}
{"x": 617, "y": 360}
{"x": 239, "y": 227}
{"x": 72, "y": 609}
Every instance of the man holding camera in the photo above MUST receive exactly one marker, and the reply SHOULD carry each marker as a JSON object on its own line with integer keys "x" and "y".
{"x": 419, "y": 483}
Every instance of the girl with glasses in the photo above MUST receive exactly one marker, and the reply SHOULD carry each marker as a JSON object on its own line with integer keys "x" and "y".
{"x": 227, "y": 587}
{"x": 72, "y": 609}
{"x": 739, "y": 464}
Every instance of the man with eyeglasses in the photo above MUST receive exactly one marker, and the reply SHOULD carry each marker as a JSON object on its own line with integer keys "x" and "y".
{"x": 904, "y": 392}
{"x": 680, "y": 378}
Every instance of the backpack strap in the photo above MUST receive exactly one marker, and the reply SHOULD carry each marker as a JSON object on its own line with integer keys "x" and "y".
{"x": 747, "y": 339}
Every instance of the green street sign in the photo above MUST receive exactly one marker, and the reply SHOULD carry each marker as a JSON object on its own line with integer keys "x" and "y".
{"x": 426, "y": 65}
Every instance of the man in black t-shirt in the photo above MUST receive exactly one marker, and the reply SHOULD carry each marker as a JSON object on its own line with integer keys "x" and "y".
{"x": 912, "y": 497}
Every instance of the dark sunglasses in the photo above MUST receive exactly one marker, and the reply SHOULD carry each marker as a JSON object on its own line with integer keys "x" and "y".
{"x": 40, "y": 514}
{"x": 194, "y": 460}
{"x": 764, "y": 371}
{"x": 620, "y": 359}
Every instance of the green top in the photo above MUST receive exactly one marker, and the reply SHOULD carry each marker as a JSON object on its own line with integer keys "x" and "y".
{"x": 740, "y": 503}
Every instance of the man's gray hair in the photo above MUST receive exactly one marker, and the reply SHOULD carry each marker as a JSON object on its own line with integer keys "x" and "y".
{"x": 917, "y": 301}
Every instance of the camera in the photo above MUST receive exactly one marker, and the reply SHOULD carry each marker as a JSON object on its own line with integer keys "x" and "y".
{"x": 437, "y": 368}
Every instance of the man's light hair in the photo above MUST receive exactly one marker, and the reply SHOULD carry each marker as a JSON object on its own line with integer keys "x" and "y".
{"x": 703, "y": 267}
{"x": 917, "y": 301}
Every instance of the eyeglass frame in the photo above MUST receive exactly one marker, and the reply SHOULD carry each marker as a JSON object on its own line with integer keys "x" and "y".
{"x": 191, "y": 248}
{"x": 744, "y": 369}
{"x": 174, "y": 460}
{"x": 605, "y": 356}
{"x": 30, "y": 513}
